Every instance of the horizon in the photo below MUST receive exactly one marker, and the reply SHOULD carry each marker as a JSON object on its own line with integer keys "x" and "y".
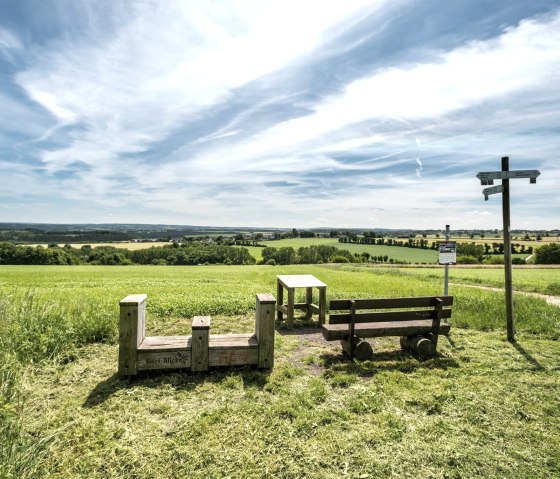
{"x": 302, "y": 228}
{"x": 318, "y": 114}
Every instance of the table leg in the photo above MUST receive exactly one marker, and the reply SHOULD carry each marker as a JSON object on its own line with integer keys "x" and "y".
{"x": 280, "y": 299}
{"x": 308, "y": 301}
{"x": 291, "y": 297}
{"x": 322, "y": 304}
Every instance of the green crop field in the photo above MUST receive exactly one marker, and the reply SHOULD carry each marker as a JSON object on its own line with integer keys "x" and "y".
{"x": 410, "y": 255}
{"x": 482, "y": 408}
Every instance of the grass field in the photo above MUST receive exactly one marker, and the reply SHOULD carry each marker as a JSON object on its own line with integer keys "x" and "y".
{"x": 411, "y": 255}
{"x": 483, "y": 408}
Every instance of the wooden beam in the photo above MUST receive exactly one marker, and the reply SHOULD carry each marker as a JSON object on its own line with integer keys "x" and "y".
{"x": 200, "y": 339}
{"x": 233, "y": 349}
{"x": 132, "y": 324}
{"x": 333, "y": 332}
{"x": 264, "y": 329}
{"x": 384, "y": 316}
{"x": 389, "y": 303}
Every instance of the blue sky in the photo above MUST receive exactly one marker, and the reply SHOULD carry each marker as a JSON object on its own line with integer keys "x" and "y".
{"x": 278, "y": 113}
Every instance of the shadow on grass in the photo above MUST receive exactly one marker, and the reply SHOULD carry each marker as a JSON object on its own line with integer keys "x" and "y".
{"x": 396, "y": 360}
{"x": 537, "y": 366}
{"x": 299, "y": 329}
{"x": 183, "y": 380}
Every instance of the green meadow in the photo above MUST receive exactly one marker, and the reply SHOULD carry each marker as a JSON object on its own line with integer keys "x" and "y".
{"x": 483, "y": 408}
{"x": 410, "y": 255}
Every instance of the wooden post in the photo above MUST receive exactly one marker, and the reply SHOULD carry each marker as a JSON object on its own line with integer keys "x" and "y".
{"x": 264, "y": 329}
{"x": 507, "y": 252}
{"x": 322, "y": 304}
{"x": 351, "y": 328}
{"x": 446, "y": 274}
{"x": 437, "y": 320}
{"x": 291, "y": 301}
{"x": 132, "y": 330}
{"x": 280, "y": 296}
{"x": 308, "y": 301}
{"x": 200, "y": 340}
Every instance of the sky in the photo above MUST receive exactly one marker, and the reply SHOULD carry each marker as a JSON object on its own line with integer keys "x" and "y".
{"x": 306, "y": 114}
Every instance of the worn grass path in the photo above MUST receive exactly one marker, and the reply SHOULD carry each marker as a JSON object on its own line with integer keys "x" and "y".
{"x": 484, "y": 408}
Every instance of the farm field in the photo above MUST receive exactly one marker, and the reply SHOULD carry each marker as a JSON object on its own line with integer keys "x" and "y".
{"x": 483, "y": 408}
{"x": 131, "y": 245}
{"x": 411, "y": 255}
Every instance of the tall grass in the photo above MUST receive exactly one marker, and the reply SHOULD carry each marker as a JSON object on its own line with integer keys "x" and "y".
{"x": 35, "y": 328}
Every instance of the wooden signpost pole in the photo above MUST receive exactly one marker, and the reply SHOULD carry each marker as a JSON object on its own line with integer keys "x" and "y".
{"x": 487, "y": 178}
{"x": 507, "y": 250}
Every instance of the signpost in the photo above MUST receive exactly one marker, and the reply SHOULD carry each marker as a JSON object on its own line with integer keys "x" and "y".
{"x": 487, "y": 178}
{"x": 447, "y": 256}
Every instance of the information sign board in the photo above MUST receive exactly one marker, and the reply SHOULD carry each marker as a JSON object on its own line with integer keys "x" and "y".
{"x": 447, "y": 252}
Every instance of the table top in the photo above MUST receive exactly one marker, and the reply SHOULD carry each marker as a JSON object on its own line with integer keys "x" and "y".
{"x": 300, "y": 281}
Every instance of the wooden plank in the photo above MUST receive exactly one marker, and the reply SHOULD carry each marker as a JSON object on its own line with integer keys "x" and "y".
{"x": 389, "y": 303}
{"x": 283, "y": 308}
{"x": 233, "y": 356}
{"x": 233, "y": 349}
{"x": 165, "y": 343}
{"x": 300, "y": 281}
{"x": 232, "y": 341}
{"x": 332, "y": 332}
{"x": 341, "y": 318}
{"x": 154, "y": 359}
{"x": 132, "y": 324}
{"x": 200, "y": 338}
{"x": 264, "y": 329}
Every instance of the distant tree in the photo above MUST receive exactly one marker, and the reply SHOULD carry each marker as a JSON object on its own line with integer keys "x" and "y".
{"x": 548, "y": 254}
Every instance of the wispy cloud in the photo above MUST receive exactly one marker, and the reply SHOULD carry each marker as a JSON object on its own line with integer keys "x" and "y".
{"x": 197, "y": 111}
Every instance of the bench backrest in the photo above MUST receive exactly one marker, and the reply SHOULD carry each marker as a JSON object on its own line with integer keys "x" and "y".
{"x": 389, "y": 309}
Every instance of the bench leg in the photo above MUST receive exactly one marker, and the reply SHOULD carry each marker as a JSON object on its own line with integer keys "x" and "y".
{"x": 361, "y": 350}
{"x": 420, "y": 345}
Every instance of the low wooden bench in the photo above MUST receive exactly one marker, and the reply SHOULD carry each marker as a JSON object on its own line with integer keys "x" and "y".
{"x": 417, "y": 320}
{"x": 138, "y": 352}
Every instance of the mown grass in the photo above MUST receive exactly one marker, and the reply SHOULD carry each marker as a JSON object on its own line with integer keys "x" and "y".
{"x": 484, "y": 408}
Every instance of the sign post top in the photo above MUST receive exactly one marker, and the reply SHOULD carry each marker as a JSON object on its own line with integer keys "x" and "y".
{"x": 488, "y": 177}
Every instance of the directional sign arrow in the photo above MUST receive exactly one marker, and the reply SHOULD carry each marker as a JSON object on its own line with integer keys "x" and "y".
{"x": 505, "y": 175}
{"x": 492, "y": 190}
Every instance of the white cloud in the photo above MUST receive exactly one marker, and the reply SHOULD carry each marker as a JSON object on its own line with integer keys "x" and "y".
{"x": 167, "y": 62}
{"x": 170, "y": 61}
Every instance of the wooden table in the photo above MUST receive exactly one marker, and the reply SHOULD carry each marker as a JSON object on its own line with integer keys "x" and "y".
{"x": 307, "y": 281}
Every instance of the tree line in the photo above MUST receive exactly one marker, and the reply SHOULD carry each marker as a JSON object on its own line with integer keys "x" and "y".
{"x": 175, "y": 254}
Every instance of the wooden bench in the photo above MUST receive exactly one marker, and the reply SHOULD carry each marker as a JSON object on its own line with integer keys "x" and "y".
{"x": 138, "y": 352}
{"x": 417, "y": 320}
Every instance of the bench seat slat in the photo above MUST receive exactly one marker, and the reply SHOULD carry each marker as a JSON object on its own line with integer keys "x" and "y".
{"x": 389, "y": 303}
{"x": 333, "y": 332}
{"x": 384, "y": 316}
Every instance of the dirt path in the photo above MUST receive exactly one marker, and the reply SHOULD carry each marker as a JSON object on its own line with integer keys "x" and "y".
{"x": 554, "y": 300}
